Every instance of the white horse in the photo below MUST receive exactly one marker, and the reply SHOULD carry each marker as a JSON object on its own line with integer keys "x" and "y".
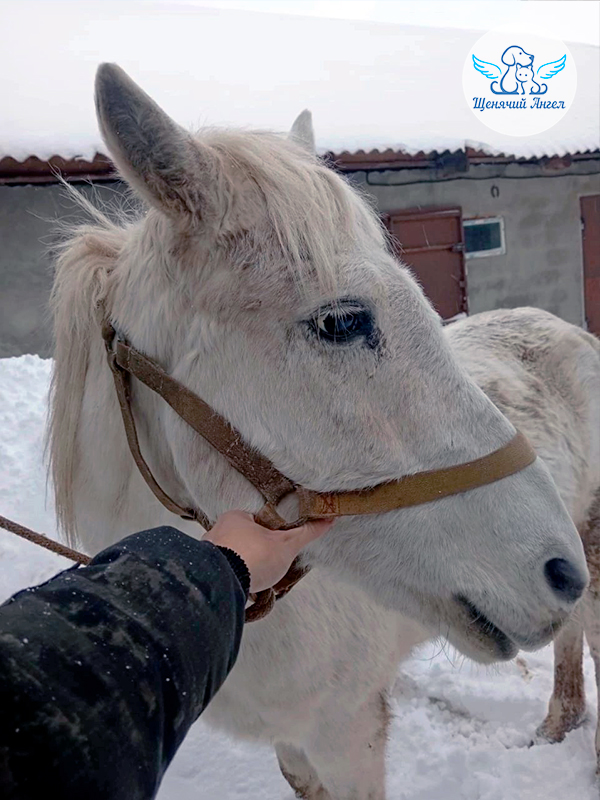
{"x": 262, "y": 281}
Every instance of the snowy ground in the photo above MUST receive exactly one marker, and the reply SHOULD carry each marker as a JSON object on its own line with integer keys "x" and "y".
{"x": 460, "y": 732}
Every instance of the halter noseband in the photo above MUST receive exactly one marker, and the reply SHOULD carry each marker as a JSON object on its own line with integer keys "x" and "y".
{"x": 410, "y": 490}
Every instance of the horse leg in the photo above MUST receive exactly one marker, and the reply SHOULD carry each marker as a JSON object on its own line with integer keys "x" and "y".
{"x": 298, "y": 772}
{"x": 591, "y": 605}
{"x": 348, "y": 752}
{"x": 566, "y": 710}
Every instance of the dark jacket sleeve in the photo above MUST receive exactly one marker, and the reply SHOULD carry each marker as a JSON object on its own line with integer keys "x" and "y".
{"x": 104, "y": 668}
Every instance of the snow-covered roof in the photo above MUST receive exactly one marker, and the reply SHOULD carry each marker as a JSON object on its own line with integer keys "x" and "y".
{"x": 370, "y": 86}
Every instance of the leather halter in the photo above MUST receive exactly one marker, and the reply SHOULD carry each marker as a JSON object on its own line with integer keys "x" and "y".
{"x": 410, "y": 490}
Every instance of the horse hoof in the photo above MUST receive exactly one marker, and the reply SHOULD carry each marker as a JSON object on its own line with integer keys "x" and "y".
{"x": 544, "y": 737}
{"x": 550, "y": 732}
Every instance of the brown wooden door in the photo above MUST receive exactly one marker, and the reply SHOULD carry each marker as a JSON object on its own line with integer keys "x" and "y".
{"x": 431, "y": 242}
{"x": 590, "y": 230}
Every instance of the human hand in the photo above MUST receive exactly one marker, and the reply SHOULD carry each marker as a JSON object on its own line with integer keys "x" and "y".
{"x": 267, "y": 554}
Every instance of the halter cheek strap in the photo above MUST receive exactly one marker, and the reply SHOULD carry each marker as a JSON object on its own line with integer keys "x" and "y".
{"x": 410, "y": 490}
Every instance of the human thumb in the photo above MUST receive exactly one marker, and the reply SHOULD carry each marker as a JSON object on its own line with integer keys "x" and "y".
{"x": 308, "y": 532}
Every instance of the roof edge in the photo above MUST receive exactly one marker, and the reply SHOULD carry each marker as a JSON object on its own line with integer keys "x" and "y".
{"x": 37, "y": 170}
{"x": 397, "y": 159}
{"x": 34, "y": 170}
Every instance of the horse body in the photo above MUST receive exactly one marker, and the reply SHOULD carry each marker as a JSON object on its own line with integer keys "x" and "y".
{"x": 261, "y": 281}
{"x": 544, "y": 375}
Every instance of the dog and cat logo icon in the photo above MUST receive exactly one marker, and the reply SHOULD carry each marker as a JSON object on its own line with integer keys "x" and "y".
{"x": 517, "y": 76}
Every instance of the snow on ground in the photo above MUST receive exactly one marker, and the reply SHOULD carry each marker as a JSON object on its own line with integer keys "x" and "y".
{"x": 460, "y": 732}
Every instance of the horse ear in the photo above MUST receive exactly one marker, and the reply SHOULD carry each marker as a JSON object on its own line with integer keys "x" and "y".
{"x": 303, "y": 133}
{"x": 154, "y": 154}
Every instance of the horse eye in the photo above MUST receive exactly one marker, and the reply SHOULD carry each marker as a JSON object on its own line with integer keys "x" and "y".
{"x": 343, "y": 324}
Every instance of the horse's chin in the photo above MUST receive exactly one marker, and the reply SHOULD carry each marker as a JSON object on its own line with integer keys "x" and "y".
{"x": 484, "y": 646}
{"x": 480, "y": 639}
{"x": 482, "y": 651}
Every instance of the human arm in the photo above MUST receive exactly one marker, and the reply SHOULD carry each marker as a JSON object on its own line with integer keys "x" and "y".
{"x": 104, "y": 668}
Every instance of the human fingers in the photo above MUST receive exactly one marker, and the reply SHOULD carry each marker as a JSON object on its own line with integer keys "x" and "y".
{"x": 303, "y": 535}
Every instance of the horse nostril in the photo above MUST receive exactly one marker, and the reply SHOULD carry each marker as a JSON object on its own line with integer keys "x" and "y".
{"x": 564, "y": 578}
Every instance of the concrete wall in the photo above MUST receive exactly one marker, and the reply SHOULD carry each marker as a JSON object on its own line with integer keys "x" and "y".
{"x": 543, "y": 261}
{"x": 542, "y": 265}
{"x": 28, "y": 229}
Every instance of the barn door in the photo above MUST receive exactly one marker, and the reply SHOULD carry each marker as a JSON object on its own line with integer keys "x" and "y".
{"x": 590, "y": 230}
{"x": 431, "y": 242}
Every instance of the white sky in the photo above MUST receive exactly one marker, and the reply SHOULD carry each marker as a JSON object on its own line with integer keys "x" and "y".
{"x": 572, "y": 21}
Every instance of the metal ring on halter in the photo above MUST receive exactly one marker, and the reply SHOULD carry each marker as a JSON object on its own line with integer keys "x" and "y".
{"x": 269, "y": 517}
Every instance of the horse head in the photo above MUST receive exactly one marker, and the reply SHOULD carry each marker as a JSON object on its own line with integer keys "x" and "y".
{"x": 262, "y": 281}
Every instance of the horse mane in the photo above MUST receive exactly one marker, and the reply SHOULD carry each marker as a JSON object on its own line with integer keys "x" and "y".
{"x": 84, "y": 262}
{"x": 288, "y": 179}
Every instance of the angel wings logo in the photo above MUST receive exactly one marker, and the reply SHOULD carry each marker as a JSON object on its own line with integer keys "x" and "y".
{"x": 519, "y": 89}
